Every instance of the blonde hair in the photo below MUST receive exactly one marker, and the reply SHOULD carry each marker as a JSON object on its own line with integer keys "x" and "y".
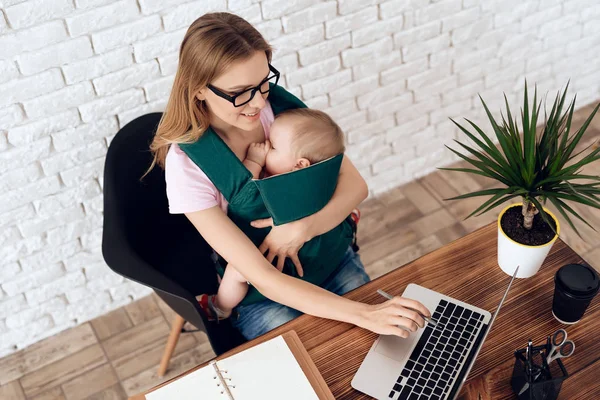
{"x": 211, "y": 44}
{"x": 316, "y": 136}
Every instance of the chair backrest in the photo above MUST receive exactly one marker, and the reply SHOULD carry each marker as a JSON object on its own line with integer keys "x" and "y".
{"x": 144, "y": 242}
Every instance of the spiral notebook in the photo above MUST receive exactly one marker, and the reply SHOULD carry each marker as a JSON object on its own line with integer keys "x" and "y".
{"x": 275, "y": 369}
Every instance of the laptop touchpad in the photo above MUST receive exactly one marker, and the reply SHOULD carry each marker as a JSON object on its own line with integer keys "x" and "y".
{"x": 394, "y": 347}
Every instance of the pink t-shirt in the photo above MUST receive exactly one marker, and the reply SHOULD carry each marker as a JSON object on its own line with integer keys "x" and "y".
{"x": 188, "y": 187}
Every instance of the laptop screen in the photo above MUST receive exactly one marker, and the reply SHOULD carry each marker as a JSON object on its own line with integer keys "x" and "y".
{"x": 478, "y": 344}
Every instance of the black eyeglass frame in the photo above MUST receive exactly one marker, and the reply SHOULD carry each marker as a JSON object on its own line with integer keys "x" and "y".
{"x": 253, "y": 90}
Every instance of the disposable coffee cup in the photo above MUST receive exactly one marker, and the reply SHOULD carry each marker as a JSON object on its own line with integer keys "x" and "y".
{"x": 575, "y": 285}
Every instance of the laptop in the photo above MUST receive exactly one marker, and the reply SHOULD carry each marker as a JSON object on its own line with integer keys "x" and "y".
{"x": 432, "y": 363}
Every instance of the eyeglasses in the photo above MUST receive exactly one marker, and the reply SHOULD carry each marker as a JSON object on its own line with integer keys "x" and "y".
{"x": 246, "y": 96}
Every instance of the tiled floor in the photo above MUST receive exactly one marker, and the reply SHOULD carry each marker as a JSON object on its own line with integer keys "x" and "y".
{"x": 118, "y": 354}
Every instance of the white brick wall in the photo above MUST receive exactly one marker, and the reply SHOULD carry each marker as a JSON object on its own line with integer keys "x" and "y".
{"x": 390, "y": 72}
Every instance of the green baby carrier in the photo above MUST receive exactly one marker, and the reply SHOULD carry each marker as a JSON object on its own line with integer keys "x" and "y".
{"x": 285, "y": 198}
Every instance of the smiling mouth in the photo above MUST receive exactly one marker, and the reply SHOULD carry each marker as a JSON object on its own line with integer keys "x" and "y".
{"x": 250, "y": 115}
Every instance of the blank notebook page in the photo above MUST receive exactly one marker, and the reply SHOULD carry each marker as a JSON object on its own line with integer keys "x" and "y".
{"x": 266, "y": 371}
{"x": 199, "y": 384}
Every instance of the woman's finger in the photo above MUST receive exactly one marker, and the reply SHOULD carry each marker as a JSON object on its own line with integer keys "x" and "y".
{"x": 296, "y": 261}
{"x": 262, "y": 223}
{"x": 407, "y": 323}
{"x": 409, "y": 314}
{"x": 264, "y": 246}
{"x": 280, "y": 262}
{"x": 415, "y": 305}
{"x": 271, "y": 256}
{"x": 394, "y": 330}
{"x": 279, "y": 265}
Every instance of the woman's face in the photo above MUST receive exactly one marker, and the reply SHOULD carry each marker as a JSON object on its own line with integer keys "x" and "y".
{"x": 238, "y": 77}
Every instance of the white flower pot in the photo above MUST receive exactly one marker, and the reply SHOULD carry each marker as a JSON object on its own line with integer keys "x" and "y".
{"x": 512, "y": 254}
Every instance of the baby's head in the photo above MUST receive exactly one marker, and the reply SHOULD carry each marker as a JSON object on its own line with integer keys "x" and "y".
{"x": 301, "y": 137}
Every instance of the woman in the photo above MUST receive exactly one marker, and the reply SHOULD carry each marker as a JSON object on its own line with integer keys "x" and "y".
{"x": 219, "y": 96}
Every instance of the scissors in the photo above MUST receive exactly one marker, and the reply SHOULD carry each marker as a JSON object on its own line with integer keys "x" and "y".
{"x": 560, "y": 348}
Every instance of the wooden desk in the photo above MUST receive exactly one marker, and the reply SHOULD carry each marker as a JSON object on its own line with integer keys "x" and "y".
{"x": 467, "y": 270}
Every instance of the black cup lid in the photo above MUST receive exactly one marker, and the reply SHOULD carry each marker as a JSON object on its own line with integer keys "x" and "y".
{"x": 579, "y": 280}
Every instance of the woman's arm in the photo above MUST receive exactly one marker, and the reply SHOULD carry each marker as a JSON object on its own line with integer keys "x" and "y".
{"x": 230, "y": 242}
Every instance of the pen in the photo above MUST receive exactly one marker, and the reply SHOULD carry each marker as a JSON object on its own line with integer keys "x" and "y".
{"x": 529, "y": 357}
{"x": 389, "y": 297}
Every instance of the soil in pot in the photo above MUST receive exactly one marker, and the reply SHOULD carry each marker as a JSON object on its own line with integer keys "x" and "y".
{"x": 540, "y": 233}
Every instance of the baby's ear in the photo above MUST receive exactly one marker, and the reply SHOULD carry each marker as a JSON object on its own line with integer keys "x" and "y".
{"x": 302, "y": 163}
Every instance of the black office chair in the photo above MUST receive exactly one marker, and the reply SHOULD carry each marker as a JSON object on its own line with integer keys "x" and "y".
{"x": 143, "y": 242}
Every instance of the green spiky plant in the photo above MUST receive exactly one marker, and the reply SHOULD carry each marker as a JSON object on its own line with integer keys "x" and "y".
{"x": 538, "y": 167}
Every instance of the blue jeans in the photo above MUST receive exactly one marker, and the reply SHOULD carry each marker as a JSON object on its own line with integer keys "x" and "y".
{"x": 255, "y": 319}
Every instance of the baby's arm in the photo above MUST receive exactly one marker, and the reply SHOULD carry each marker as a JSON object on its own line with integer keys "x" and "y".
{"x": 255, "y": 158}
{"x": 232, "y": 290}
{"x": 253, "y": 167}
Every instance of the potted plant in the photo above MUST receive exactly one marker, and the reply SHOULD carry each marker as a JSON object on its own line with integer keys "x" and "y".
{"x": 540, "y": 166}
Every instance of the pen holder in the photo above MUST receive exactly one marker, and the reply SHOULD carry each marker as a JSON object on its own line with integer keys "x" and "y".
{"x": 546, "y": 385}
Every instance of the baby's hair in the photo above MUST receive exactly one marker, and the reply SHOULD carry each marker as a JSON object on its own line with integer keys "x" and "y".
{"x": 316, "y": 136}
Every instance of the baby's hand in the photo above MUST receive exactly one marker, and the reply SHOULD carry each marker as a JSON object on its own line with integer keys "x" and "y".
{"x": 257, "y": 152}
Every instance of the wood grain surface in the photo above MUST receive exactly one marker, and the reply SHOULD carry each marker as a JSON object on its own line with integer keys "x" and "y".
{"x": 465, "y": 269}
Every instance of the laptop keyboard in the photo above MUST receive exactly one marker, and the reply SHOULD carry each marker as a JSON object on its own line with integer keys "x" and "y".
{"x": 433, "y": 364}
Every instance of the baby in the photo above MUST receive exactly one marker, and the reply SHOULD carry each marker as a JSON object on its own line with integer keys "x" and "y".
{"x": 299, "y": 138}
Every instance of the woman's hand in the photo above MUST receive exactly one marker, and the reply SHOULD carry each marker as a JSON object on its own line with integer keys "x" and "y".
{"x": 283, "y": 241}
{"x": 394, "y": 317}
